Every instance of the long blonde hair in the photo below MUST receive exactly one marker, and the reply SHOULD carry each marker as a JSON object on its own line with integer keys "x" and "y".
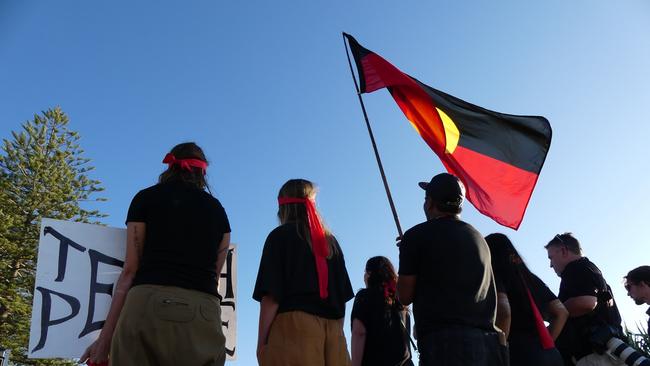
{"x": 297, "y": 213}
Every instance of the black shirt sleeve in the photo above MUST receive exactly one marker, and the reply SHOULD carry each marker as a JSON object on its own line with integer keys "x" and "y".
{"x": 223, "y": 218}
{"x": 269, "y": 276}
{"x": 408, "y": 256}
{"x": 360, "y": 308}
{"x": 137, "y": 209}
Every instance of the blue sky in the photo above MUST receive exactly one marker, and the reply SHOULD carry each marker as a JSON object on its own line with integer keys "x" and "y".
{"x": 265, "y": 88}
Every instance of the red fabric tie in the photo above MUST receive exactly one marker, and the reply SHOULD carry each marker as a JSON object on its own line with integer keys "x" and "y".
{"x": 318, "y": 241}
{"x": 544, "y": 336}
{"x": 186, "y": 164}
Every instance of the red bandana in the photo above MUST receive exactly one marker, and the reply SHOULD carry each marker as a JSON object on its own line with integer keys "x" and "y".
{"x": 186, "y": 164}
{"x": 318, "y": 241}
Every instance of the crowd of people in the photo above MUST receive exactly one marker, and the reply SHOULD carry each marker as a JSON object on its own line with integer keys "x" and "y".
{"x": 474, "y": 300}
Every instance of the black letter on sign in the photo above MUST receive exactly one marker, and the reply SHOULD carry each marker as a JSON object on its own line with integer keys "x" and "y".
{"x": 230, "y": 294}
{"x": 63, "y": 250}
{"x": 46, "y": 308}
{"x": 97, "y": 288}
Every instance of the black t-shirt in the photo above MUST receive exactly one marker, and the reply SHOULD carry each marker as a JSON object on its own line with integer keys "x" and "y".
{"x": 582, "y": 278}
{"x": 184, "y": 227}
{"x": 386, "y": 336}
{"x": 648, "y": 328}
{"x": 455, "y": 285}
{"x": 288, "y": 273}
{"x": 522, "y": 317}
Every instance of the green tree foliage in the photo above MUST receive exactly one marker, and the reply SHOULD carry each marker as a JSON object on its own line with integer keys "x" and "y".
{"x": 639, "y": 341}
{"x": 42, "y": 174}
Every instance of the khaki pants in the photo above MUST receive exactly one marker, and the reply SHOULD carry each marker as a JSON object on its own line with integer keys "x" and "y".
{"x": 300, "y": 339}
{"x": 164, "y": 325}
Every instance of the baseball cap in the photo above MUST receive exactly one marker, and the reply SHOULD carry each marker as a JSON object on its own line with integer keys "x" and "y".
{"x": 445, "y": 189}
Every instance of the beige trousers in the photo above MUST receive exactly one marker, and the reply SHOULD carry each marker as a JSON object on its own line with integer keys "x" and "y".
{"x": 164, "y": 325}
{"x": 300, "y": 339}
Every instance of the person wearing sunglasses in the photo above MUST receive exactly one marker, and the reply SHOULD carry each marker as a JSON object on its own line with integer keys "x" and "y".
{"x": 637, "y": 284}
{"x": 588, "y": 298}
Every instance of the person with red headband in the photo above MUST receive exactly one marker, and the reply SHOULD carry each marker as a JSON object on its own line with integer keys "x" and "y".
{"x": 380, "y": 323}
{"x": 302, "y": 286}
{"x": 165, "y": 308}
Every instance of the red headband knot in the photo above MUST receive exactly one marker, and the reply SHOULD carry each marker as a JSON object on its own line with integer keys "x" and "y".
{"x": 320, "y": 248}
{"x": 185, "y": 164}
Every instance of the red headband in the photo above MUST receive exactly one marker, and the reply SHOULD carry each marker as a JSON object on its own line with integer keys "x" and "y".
{"x": 186, "y": 164}
{"x": 318, "y": 241}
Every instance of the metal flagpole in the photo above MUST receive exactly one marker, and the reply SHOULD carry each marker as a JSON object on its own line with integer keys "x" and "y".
{"x": 374, "y": 144}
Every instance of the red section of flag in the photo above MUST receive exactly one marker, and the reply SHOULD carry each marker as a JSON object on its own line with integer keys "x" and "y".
{"x": 498, "y": 190}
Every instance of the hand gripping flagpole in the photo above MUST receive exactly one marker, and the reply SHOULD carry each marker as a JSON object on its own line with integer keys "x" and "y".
{"x": 374, "y": 144}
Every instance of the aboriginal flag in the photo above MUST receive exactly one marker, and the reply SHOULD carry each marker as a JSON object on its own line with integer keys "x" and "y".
{"x": 497, "y": 156}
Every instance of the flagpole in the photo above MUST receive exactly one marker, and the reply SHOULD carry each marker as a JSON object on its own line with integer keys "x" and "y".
{"x": 374, "y": 145}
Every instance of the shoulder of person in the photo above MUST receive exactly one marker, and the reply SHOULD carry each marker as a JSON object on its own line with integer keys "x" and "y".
{"x": 283, "y": 231}
{"x": 362, "y": 293}
{"x": 419, "y": 228}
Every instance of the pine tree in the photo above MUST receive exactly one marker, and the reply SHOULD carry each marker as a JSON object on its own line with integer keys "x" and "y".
{"x": 43, "y": 173}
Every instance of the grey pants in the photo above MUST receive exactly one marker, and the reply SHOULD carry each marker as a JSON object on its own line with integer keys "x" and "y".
{"x": 164, "y": 325}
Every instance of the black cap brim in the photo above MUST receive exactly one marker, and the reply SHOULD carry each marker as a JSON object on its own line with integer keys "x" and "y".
{"x": 423, "y": 185}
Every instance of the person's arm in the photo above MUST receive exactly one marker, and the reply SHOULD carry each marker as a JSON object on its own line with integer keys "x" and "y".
{"x": 268, "y": 310}
{"x": 135, "y": 235}
{"x": 504, "y": 316}
{"x": 558, "y": 315}
{"x": 223, "y": 252}
{"x": 580, "y": 305}
{"x": 406, "y": 289}
{"x": 358, "y": 341}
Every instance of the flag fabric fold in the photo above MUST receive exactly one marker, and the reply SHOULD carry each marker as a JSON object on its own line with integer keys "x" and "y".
{"x": 497, "y": 156}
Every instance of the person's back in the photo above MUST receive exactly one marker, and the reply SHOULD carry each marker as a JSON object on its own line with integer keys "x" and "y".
{"x": 380, "y": 323}
{"x": 165, "y": 308}
{"x": 455, "y": 283}
{"x": 302, "y": 286}
{"x": 524, "y": 303}
{"x": 184, "y": 229}
{"x": 445, "y": 271}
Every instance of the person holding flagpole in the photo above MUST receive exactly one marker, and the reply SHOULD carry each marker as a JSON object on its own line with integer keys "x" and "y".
{"x": 445, "y": 271}
{"x": 166, "y": 308}
{"x": 302, "y": 286}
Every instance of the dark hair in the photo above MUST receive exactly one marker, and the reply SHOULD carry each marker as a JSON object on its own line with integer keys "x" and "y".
{"x": 174, "y": 173}
{"x": 382, "y": 278}
{"x": 638, "y": 275}
{"x": 506, "y": 261}
{"x": 566, "y": 240}
{"x": 509, "y": 268}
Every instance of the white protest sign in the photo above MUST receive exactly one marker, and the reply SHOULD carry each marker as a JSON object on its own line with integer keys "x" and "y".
{"x": 77, "y": 267}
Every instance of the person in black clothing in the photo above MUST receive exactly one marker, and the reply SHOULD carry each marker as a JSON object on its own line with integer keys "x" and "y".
{"x": 445, "y": 271}
{"x": 380, "y": 324}
{"x": 524, "y": 302}
{"x": 302, "y": 286}
{"x": 637, "y": 284}
{"x": 587, "y": 297}
{"x": 165, "y": 308}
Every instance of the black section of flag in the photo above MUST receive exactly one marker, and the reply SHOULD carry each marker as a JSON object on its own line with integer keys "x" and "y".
{"x": 521, "y": 141}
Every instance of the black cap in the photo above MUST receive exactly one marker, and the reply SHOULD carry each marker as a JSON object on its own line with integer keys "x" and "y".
{"x": 445, "y": 189}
